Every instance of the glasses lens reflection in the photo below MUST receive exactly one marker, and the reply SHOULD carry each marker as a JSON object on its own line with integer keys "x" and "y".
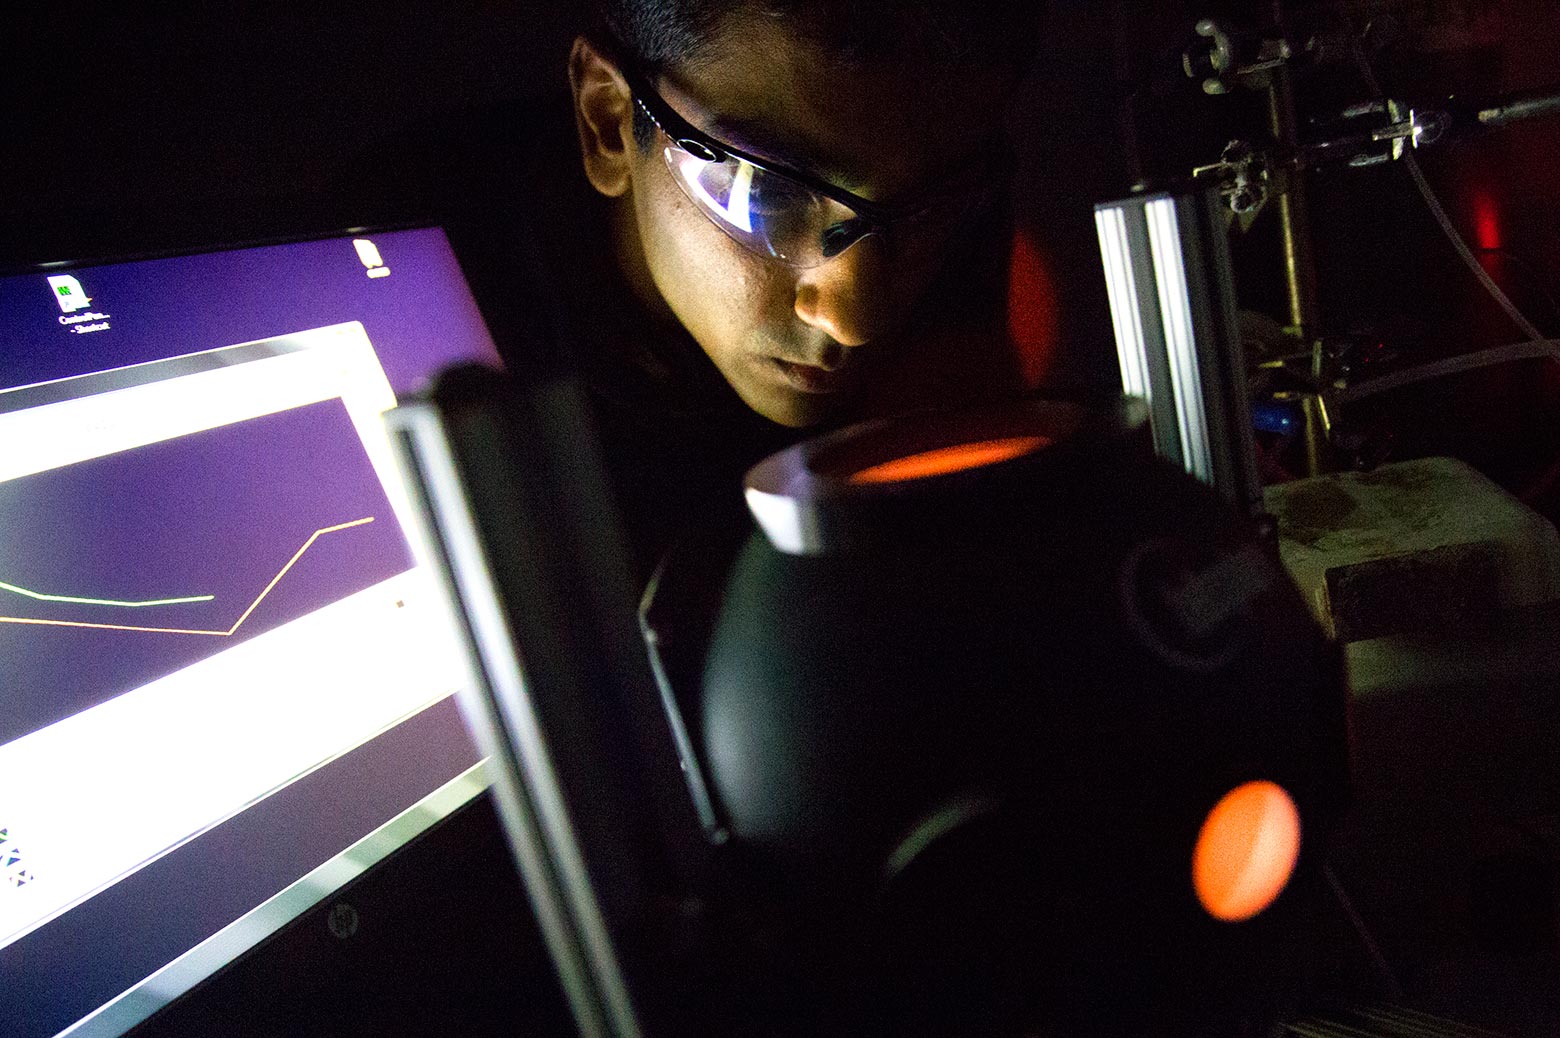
{"x": 765, "y": 212}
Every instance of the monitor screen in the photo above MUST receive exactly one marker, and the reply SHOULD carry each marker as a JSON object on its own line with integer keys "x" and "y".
{"x": 226, "y": 688}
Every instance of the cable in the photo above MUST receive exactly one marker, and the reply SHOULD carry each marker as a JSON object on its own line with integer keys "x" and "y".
{"x": 1439, "y": 212}
{"x": 1528, "y": 327}
{"x": 1537, "y": 346}
{"x": 1536, "y": 276}
{"x": 1372, "y": 950}
{"x": 1540, "y": 347}
{"x": 1466, "y": 362}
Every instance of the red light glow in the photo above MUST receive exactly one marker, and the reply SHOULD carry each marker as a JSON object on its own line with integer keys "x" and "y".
{"x": 1246, "y": 851}
{"x": 1032, "y": 309}
{"x": 1486, "y": 221}
{"x": 944, "y": 460}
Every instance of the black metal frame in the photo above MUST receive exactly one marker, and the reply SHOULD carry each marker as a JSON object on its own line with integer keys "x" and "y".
{"x": 520, "y": 527}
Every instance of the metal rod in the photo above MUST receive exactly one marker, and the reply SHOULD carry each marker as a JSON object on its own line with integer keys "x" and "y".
{"x": 1299, "y": 265}
{"x": 1522, "y": 106}
{"x": 1299, "y": 262}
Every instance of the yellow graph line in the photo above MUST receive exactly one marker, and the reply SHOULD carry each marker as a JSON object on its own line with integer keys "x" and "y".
{"x": 316, "y": 535}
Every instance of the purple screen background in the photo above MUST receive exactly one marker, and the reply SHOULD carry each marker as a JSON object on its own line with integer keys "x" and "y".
{"x": 219, "y": 512}
{"x": 421, "y": 318}
{"x": 213, "y": 513}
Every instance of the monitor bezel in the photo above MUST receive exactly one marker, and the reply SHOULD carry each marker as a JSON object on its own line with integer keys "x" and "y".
{"x": 238, "y": 940}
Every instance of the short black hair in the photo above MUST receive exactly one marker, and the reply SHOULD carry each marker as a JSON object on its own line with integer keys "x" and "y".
{"x": 992, "y": 33}
{"x": 942, "y": 34}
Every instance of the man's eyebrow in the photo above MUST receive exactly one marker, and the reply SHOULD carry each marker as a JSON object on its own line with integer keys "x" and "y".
{"x": 763, "y": 142}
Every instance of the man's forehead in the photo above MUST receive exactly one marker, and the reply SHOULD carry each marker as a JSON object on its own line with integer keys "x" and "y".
{"x": 877, "y": 127}
{"x": 766, "y": 138}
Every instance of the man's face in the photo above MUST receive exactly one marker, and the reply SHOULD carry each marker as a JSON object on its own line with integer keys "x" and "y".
{"x": 795, "y": 343}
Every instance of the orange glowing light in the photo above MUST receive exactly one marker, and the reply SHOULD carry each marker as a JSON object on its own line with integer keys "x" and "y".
{"x": 944, "y": 460}
{"x": 1246, "y": 851}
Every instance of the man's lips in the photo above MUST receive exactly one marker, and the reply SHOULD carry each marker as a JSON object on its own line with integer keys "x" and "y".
{"x": 809, "y": 378}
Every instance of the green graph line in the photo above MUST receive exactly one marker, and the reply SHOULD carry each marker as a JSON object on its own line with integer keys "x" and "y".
{"x": 316, "y": 535}
{"x": 41, "y": 597}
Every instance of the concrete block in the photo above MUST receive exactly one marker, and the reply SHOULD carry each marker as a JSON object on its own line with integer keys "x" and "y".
{"x": 1412, "y": 546}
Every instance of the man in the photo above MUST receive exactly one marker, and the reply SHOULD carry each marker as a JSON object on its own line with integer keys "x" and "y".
{"x": 791, "y": 216}
{"x": 803, "y": 198}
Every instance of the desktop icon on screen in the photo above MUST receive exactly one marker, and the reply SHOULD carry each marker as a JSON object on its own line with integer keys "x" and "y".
{"x": 368, "y": 252}
{"x": 69, "y": 293}
{"x": 11, "y": 861}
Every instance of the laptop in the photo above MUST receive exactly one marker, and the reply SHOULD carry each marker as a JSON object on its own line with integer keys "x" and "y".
{"x": 227, "y": 682}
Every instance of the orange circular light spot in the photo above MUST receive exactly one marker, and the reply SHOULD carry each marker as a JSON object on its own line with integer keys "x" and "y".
{"x": 944, "y": 460}
{"x": 1246, "y": 851}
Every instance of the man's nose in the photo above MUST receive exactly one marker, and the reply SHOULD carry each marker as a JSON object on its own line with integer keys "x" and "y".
{"x": 847, "y": 296}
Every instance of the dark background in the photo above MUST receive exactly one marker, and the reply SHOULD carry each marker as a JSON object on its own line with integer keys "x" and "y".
{"x": 183, "y": 121}
{"x": 128, "y": 129}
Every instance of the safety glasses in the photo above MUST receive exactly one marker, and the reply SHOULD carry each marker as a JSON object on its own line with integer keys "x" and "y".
{"x": 784, "y": 214}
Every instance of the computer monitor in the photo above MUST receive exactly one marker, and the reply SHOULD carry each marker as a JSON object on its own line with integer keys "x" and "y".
{"x": 226, "y": 688}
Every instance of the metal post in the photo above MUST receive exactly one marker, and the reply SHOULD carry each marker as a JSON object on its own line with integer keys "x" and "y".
{"x": 1299, "y": 261}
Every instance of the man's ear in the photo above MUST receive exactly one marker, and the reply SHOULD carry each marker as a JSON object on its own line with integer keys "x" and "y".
{"x": 604, "y": 114}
